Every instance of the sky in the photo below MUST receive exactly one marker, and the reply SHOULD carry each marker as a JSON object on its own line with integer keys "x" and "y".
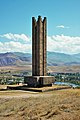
{"x": 63, "y": 25}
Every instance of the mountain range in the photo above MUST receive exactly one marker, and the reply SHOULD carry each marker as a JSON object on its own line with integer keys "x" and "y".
{"x": 53, "y": 59}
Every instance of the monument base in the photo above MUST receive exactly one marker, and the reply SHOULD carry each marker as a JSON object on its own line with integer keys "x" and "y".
{"x": 39, "y": 81}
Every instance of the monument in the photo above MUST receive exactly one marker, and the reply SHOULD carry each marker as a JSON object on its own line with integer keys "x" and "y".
{"x": 39, "y": 76}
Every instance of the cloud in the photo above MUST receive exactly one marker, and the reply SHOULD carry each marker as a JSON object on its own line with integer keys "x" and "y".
{"x": 16, "y": 37}
{"x": 14, "y": 47}
{"x": 55, "y": 43}
{"x": 15, "y": 43}
{"x": 64, "y": 44}
{"x": 62, "y": 26}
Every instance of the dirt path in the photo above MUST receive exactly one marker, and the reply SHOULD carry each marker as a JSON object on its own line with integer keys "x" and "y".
{"x": 22, "y": 94}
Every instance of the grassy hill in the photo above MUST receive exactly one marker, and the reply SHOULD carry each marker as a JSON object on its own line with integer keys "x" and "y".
{"x": 56, "y": 105}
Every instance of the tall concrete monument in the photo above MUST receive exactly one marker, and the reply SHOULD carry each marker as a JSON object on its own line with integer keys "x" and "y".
{"x": 39, "y": 44}
{"x": 39, "y": 76}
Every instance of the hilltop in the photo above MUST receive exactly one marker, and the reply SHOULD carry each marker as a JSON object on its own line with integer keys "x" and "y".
{"x": 23, "y": 105}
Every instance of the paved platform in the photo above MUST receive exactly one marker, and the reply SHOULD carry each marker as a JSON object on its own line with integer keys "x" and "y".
{"x": 41, "y": 89}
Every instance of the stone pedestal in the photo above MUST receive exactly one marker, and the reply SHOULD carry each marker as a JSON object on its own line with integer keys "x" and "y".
{"x": 39, "y": 81}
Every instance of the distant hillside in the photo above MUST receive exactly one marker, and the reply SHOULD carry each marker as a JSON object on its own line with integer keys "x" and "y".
{"x": 9, "y": 59}
{"x": 53, "y": 59}
{"x": 62, "y": 59}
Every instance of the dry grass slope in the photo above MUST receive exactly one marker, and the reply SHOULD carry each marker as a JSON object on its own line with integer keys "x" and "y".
{"x": 74, "y": 68}
{"x": 55, "y": 105}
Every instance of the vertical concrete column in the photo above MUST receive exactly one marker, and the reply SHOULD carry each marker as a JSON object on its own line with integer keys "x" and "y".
{"x": 33, "y": 46}
{"x": 37, "y": 48}
{"x": 44, "y": 46}
{"x": 40, "y": 46}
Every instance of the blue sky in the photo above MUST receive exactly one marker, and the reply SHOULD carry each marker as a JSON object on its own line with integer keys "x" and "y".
{"x": 63, "y": 23}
